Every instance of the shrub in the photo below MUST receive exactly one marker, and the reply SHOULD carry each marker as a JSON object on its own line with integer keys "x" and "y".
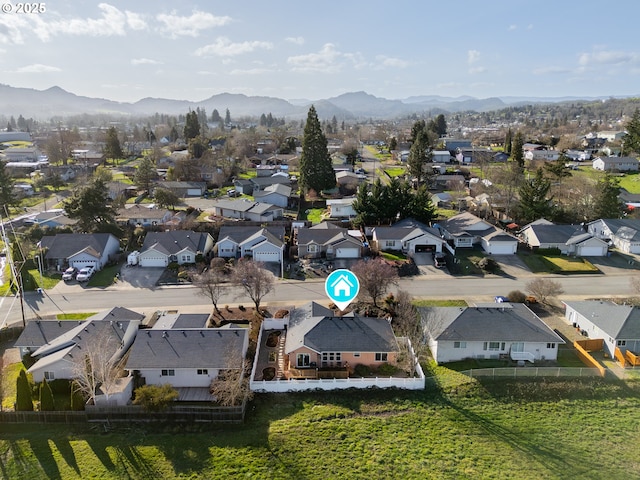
{"x": 489, "y": 265}
{"x": 24, "y": 401}
{"x": 77, "y": 399}
{"x": 362, "y": 370}
{"x": 46, "y": 397}
{"x": 155, "y": 398}
{"x": 516, "y": 296}
{"x": 173, "y": 266}
{"x": 387, "y": 370}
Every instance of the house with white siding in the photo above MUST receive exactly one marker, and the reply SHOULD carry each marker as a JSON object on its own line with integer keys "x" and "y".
{"x": 569, "y": 239}
{"x": 622, "y": 233}
{"x": 466, "y": 230}
{"x": 180, "y": 246}
{"x": 79, "y": 250}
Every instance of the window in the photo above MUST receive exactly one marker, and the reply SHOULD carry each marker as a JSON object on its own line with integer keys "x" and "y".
{"x": 331, "y": 356}
{"x": 168, "y": 372}
{"x": 517, "y": 347}
{"x": 459, "y": 344}
{"x": 303, "y": 360}
{"x": 312, "y": 248}
{"x": 622, "y": 343}
{"x": 551, "y": 345}
{"x": 381, "y": 357}
{"x": 356, "y": 354}
{"x": 390, "y": 243}
{"x": 49, "y": 375}
{"x": 494, "y": 346}
{"x": 185, "y": 258}
{"x": 203, "y": 371}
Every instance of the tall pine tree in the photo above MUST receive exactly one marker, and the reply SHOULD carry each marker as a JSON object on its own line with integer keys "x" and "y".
{"x": 517, "y": 154}
{"x": 607, "y": 201}
{"x": 535, "y": 202}
{"x": 632, "y": 138}
{"x": 112, "y": 148}
{"x": 7, "y": 196}
{"x": 316, "y": 171}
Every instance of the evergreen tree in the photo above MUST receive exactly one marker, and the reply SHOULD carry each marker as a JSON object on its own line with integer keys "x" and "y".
{"x": 363, "y": 206}
{"x": 418, "y": 155}
{"x": 24, "y": 402}
{"x": 46, "y": 397}
{"x": 77, "y": 398}
{"x": 441, "y": 125}
{"x": 534, "y": 200}
{"x": 632, "y": 138}
{"x": 507, "y": 142}
{"x": 421, "y": 207}
{"x": 517, "y": 154}
{"x": 91, "y": 207}
{"x": 393, "y": 144}
{"x": 112, "y": 148}
{"x": 191, "y": 126}
{"x": 7, "y": 195}
{"x": 558, "y": 168}
{"x": 145, "y": 173}
{"x": 418, "y": 126}
{"x": 316, "y": 170}
{"x": 227, "y": 117}
{"x": 607, "y": 202}
{"x": 215, "y": 116}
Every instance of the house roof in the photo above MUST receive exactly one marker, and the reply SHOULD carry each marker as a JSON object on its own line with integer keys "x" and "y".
{"x": 241, "y": 205}
{"x": 175, "y": 241}
{"x": 266, "y": 236}
{"x": 188, "y": 348}
{"x": 316, "y": 327}
{"x": 65, "y": 245}
{"x": 618, "y": 321}
{"x": 466, "y": 223}
{"x": 240, "y": 233}
{"x": 509, "y": 322}
{"x": 278, "y": 188}
{"x": 623, "y": 228}
{"x": 263, "y": 182}
{"x": 617, "y": 160}
{"x": 40, "y": 332}
{"x": 326, "y": 235}
{"x": 138, "y": 211}
{"x": 181, "y": 320}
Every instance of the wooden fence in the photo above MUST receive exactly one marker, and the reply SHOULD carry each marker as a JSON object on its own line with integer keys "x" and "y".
{"x": 131, "y": 414}
{"x": 586, "y": 357}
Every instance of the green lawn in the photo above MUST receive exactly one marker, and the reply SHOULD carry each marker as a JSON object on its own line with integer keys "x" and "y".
{"x": 630, "y": 182}
{"x": 557, "y": 264}
{"x": 440, "y": 303}
{"x": 314, "y": 215}
{"x": 393, "y": 256}
{"x": 104, "y": 277}
{"x": 543, "y": 429}
{"x": 395, "y": 171}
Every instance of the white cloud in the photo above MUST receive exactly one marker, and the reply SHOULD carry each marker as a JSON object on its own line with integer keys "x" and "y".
{"x": 550, "y": 70}
{"x": 144, "y": 61}
{"x": 295, "y": 40}
{"x": 474, "y": 70}
{"x": 607, "y": 57}
{"x": 37, "y": 68}
{"x": 327, "y": 60}
{"x": 223, "y": 47}
{"x": 176, "y": 25}
{"x": 250, "y": 71}
{"x": 473, "y": 56}
{"x": 390, "y": 62}
{"x": 512, "y": 27}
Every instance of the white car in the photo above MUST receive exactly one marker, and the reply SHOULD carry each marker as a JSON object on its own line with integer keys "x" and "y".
{"x": 84, "y": 274}
{"x": 69, "y": 274}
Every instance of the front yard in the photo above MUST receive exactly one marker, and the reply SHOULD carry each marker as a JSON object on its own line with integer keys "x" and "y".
{"x": 548, "y": 263}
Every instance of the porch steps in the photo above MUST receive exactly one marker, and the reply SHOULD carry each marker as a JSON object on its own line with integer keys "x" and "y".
{"x": 281, "y": 355}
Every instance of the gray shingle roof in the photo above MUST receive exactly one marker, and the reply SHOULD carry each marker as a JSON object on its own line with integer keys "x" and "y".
{"x": 187, "y": 348}
{"x": 503, "y": 322}
{"x": 618, "y": 321}
{"x": 556, "y": 233}
{"x": 174, "y": 241}
{"x": 65, "y": 245}
{"x": 39, "y": 332}
{"x": 240, "y": 233}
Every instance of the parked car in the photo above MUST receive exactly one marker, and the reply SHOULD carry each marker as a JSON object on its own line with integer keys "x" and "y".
{"x": 439, "y": 260}
{"x": 69, "y": 274}
{"x": 501, "y": 299}
{"x": 84, "y": 274}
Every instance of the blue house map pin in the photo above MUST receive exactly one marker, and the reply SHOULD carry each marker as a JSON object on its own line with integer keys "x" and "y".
{"x": 342, "y": 287}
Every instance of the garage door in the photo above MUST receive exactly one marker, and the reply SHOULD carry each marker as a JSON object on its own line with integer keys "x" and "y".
{"x": 80, "y": 264}
{"x": 502, "y": 248}
{"x": 592, "y": 252}
{"x": 153, "y": 261}
{"x": 425, "y": 248}
{"x": 266, "y": 256}
{"x": 347, "y": 252}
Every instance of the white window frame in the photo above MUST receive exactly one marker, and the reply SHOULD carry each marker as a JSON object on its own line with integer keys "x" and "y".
{"x": 167, "y": 372}
{"x": 303, "y": 360}
{"x": 202, "y": 371}
{"x": 49, "y": 376}
{"x": 459, "y": 344}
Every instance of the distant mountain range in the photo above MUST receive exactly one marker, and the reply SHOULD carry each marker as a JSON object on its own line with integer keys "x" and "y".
{"x": 56, "y": 102}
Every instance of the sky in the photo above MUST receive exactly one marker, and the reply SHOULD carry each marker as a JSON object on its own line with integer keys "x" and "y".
{"x": 126, "y": 51}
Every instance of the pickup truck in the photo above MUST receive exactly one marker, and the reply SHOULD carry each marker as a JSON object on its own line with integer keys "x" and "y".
{"x": 69, "y": 274}
{"x": 84, "y": 274}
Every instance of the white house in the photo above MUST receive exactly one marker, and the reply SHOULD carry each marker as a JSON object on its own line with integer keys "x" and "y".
{"x": 327, "y": 240}
{"x": 245, "y": 209}
{"x": 491, "y": 331}
{"x": 440, "y": 156}
{"x": 341, "y": 207}
{"x": 466, "y": 230}
{"x": 617, "y": 325}
{"x": 408, "y": 236}
{"x": 624, "y": 234}
{"x": 618, "y": 164}
{"x": 79, "y": 250}
{"x": 181, "y": 246}
{"x": 187, "y": 357}
{"x": 276, "y": 194}
{"x": 569, "y": 239}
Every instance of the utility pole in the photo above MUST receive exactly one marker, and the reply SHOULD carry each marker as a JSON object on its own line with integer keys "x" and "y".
{"x": 15, "y": 272}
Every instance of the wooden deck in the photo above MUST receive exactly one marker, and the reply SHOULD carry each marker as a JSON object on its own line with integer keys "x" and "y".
{"x": 194, "y": 394}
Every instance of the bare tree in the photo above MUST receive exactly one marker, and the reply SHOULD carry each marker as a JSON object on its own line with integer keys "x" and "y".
{"x": 255, "y": 280}
{"x": 406, "y": 323}
{"x": 211, "y": 284}
{"x": 543, "y": 288}
{"x": 375, "y": 276}
{"x": 231, "y": 387}
{"x": 96, "y": 367}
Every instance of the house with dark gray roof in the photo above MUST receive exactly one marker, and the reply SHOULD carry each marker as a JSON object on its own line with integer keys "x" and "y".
{"x": 569, "y": 239}
{"x": 245, "y": 209}
{"x": 492, "y": 331}
{"x": 408, "y": 236}
{"x": 317, "y": 338}
{"x": 466, "y": 230}
{"x": 79, "y": 250}
{"x": 623, "y": 233}
{"x": 616, "y": 164}
{"x": 262, "y": 244}
{"x": 37, "y": 333}
{"x": 327, "y": 240}
{"x": 181, "y": 246}
{"x": 145, "y": 216}
{"x": 277, "y": 194}
{"x": 617, "y": 325}
{"x": 187, "y": 357}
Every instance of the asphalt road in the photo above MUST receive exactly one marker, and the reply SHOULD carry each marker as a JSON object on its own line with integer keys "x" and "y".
{"x": 186, "y": 298}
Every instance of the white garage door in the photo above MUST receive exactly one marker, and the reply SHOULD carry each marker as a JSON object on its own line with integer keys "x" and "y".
{"x": 592, "y": 252}
{"x": 502, "y": 248}
{"x": 347, "y": 252}
{"x": 80, "y": 264}
{"x": 153, "y": 261}
{"x": 266, "y": 256}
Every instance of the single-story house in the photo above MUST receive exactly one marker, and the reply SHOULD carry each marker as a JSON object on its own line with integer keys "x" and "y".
{"x": 37, "y": 333}
{"x": 262, "y": 244}
{"x": 502, "y": 330}
{"x": 58, "y": 358}
{"x": 624, "y": 233}
{"x": 245, "y": 209}
{"x": 143, "y": 216}
{"x": 187, "y": 357}
{"x": 466, "y": 230}
{"x": 277, "y": 194}
{"x": 617, "y": 164}
{"x": 79, "y": 250}
{"x": 441, "y": 156}
{"x": 181, "y": 246}
{"x": 408, "y": 236}
{"x": 569, "y": 239}
{"x": 327, "y": 240}
{"x": 117, "y": 189}
{"x": 51, "y": 219}
{"x": 184, "y": 189}
{"x": 442, "y": 199}
{"x": 346, "y": 178}
{"x": 544, "y": 155}
{"x": 260, "y": 183}
{"x": 617, "y": 325}
{"x": 341, "y": 207}
{"x": 317, "y": 338}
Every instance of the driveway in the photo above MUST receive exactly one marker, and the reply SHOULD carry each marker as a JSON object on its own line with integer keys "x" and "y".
{"x": 424, "y": 262}
{"x": 140, "y": 277}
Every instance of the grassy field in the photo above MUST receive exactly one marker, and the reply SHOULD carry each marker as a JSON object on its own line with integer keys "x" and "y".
{"x": 545, "y": 429}
{"x": 557, "y": 264}
{"x": 630, "y": 182}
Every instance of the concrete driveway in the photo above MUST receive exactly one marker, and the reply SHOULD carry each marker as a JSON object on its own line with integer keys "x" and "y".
{"x": 424, "y": 262}
{"x": 140, "y": 277}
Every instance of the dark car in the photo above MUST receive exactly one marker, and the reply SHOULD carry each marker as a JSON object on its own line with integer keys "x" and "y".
{"x": 439, "y": 260}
